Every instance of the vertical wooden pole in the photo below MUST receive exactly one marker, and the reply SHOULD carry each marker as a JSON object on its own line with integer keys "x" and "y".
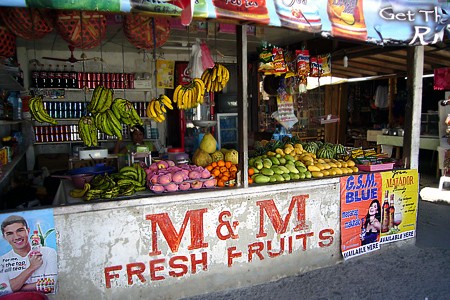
{"x": 411, "y": 140}
{"x": 242, "y": 101}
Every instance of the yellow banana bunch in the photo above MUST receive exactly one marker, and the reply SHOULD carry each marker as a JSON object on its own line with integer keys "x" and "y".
{"x": 216, "y": 78}
{"x": 157, "y": 108}
{"x": 189, "y": 96}
{"x": 38, "y": 111}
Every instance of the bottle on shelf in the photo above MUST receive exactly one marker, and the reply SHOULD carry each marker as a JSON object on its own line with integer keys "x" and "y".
{"x": 391, "y": 212}
{"x": 58, "y": 77}
{"x": 65, "y": 77}
{"x": 51, "y": 77}
{"x": 73, "y": 80}
{"x": 385, "y": 213}
{"x": 43, "y": 77}
{"x": 35, "y": 76}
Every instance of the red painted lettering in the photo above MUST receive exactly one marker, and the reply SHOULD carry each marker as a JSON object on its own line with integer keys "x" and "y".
{"x": 135, "y": 269}
{"x": 325, "y": 239}
{"x": 255, "y": 248}
{"x": 173, "y": 238}
{"x": 280, "y": 225}
{"x": 269, "y": 248}
{"x": 174, "y": 265}
{"x": 203, "y": 261}
{"x": 304, "y": 237}
{"x": 290, "y": 244}
{"x": 109, "y": 276}
{"x": 232, "y": 254}
{"x": 154, "y": 268}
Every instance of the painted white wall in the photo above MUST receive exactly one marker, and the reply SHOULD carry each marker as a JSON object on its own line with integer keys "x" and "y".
{"x": 93, "y": 237}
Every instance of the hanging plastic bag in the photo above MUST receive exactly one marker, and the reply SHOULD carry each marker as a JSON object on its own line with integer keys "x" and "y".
{"x": 207, "y": 61}
{"x": 195, "y": 61}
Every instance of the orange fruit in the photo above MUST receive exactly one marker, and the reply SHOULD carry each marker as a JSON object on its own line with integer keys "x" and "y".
{"x": 251, "y": 171}
{"x": 221, "y": 163}
{"x": 214, "y": 164}
{"x": 215, "y": 172}
{"x": 223, "y": 169}
{"x": 233, "y": 168}
{"x": 209, "y": 168}
{"x": 220, "y": 183}
{"x": 228, "y": 164}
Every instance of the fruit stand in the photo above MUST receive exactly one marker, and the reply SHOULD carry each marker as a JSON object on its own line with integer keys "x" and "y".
{"x": 230, "y": 219}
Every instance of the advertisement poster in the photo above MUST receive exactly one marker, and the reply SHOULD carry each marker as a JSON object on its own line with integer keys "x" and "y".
{"x": 165, "y": 74}
{"x": 360, "y": 214}
{"x": 399, "y": 207}
{"x": 28, "y": 248}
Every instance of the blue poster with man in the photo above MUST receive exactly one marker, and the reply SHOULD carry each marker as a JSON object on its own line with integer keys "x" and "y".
{"x": 28, "y": 257}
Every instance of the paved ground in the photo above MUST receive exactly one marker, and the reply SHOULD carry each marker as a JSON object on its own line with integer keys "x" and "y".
{"x": 417, "y": 270}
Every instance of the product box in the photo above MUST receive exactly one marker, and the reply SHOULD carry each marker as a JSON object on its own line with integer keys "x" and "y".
{"x": 3, "y": 156}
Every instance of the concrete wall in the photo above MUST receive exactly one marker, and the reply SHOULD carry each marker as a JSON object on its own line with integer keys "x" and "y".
{"x": 202, "y": 242}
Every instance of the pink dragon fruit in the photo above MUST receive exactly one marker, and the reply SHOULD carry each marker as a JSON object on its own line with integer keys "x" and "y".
{"x": 205, "y": 174}
{"x": 194, "y": 175}
{"x": 153, "y": 167}
{"x": 210, "y": 183}
{"x": 178, "y": 177}
{"x": 184, "y": 186}
{"x": 162, "y": 164}
{"x": 152, "y": 178}
{"x": 170, "y": 163}
{"x": 196, "y": 185}
{"x": 171, "y": 187}
{"x": 164, "y": 178}
{"x": 158, "y": 189}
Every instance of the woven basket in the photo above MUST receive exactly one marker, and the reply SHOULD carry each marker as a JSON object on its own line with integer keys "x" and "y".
{"x": 84, "y": 30}
{"x": 138, "y": 29}
{"x": 27, "y": 23}
{"x": 7, "y": 42}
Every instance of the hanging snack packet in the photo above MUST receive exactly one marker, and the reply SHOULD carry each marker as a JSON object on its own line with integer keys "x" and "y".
{"x": 314, "y": 72}
{"x": 278, "y": 61}
{"x": 324, "y": 63}
{"x": 302, "y": 62}
{"x": 289, "y": 58}
{"x": 265, "y": 58}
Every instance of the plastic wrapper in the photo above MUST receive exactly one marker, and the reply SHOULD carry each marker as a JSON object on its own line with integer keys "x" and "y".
{"x": 207, "y": 61}
{"x": 279, "y": 64}
{"x": 265, "y": 58}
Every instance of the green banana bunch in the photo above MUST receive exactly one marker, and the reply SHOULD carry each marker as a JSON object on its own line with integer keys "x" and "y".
{"x": 101, "y": 99}
{"x": 88, "y": 131}
{"x": 38, "y": 111}
{"x": 125, "y": 112}
{"x": 108, "y": 123}
{"x": 134, "y": 174}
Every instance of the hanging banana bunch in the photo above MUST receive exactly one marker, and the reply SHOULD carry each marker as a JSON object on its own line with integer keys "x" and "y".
{"x": 157, "y": 108}
{"x": 88, "y": 131}
{"x": 125, "y": 112}
{"x": 101, "y": 99}
{"x": 189, "y": 96}
{"x": 216, "y": 78}
{"x": 39, "y": 112}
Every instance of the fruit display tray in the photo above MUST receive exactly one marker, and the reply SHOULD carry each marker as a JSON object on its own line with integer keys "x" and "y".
{"x": 376, "y": 167}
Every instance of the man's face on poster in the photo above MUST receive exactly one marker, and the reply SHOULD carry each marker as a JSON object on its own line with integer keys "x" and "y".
{"x": 17, "y": 235}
